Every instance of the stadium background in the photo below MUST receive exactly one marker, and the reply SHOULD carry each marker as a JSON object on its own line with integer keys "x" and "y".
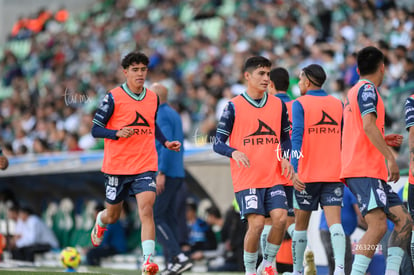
{"x": 38, "y": 178}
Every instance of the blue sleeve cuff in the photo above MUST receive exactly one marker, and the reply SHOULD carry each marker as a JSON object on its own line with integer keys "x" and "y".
{"x": 101, "y": 132}
{"x": 159, "y": 135}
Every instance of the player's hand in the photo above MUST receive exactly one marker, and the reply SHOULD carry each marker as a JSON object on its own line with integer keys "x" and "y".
{"x": 298, "y": 184}
{"x": 240, "y": 158}
{"x": 393, "y": 140}
{"x": 173, "y": 145}
{"x": 125, "y": 132}
{"x": 4, "y": 162}
{"x": 160, "y": 183}
{"x": 287, "y": 169}
{"x": 393, "y": 171}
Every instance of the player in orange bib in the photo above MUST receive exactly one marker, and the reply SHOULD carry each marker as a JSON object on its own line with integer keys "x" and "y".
{"x": 257, "y": 126}
{"x": 126, "y": 119}
{"x": 279, "y": 84}
{"x": 364, "y": 151}
{"x": 316, "y": 151}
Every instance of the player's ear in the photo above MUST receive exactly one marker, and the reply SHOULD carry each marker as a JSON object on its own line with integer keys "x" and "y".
{"x": 246, "y": 75}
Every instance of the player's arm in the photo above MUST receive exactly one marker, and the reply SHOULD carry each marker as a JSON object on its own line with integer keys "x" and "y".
{"x": 224, "y": 129}
{"x": 287, "y": 169}
{"x": 409, "y": 123}
{"x": 101, "y": 118}
{"x": 297, "y": 133}
{"x": 298, "y": 127}
{"x": 285, "y": 141}
{"x": 367, "y": 101}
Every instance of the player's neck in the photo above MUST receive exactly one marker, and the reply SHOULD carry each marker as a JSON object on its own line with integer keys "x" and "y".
{"x": 135, "y": 89}
{"x": 371, "y": 78}
{"x": 255, "y": 94}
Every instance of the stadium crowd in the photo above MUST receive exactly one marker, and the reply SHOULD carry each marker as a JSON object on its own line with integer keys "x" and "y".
{"x": 54, "y": 77}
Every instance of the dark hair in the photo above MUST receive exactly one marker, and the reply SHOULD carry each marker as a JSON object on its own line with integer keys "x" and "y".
{"x": 214, "y": 211}
{"x": 26, "y": 209}
{"x": 280, "y": 78}
{"x": 255, "y": 62}
{"x": 369, "y": 60}
{"x": 316, "y": 74}
{"x": 134, "y": 57}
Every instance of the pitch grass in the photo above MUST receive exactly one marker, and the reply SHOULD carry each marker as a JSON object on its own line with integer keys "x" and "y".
{"x": 86, "y": 271}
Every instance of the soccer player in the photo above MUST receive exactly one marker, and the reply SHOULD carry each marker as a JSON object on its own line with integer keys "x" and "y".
{"x": 409, "y": 122}
{"x": 170, "y": 178}
{"x": 126, "y": 119}
{"x": 316, "y": 151}
{"x": 257, "y": 125}
{"x": 278, "y": 85}
{"x": 364, "y": 151}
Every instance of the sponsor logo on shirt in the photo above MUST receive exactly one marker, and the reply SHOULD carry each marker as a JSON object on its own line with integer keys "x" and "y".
{"x": 326, "y": 125}
{"x": 263, "y": 135}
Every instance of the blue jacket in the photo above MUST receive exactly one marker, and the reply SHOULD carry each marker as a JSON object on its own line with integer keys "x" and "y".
{"x": 169, "y": 162}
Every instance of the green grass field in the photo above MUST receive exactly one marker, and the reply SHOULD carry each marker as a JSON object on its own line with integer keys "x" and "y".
{"x": 85, "y": 270}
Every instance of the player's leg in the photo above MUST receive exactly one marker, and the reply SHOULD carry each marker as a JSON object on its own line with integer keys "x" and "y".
{"x": 265, "y": 234}
{"x": 327, "y": 245}
{"x": 251, "y": 203}
{"x": 164, "y": 218}
{"x": 300, "y": 239}
{"x": 372, "y": 208}
{"x": 276, "y": 206}
{"x": 115, "y": 194}
{"x": 166, "y": 227}
{"x": 290, "y": 221}
{"x": 333, "y": 218}
{"x": 251, "y": 242}
{"x": 411, "y": 209}
{"x": 399, "y": 239}
{"x": 144, "y": 189}
{"x": 331, "y": 201}
{"x": 304, "y": 203}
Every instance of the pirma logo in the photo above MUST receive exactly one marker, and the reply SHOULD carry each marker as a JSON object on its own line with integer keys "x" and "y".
{"x": 262, "y": 130}
{"x": 140, "y": 121}
{"x": 325, "y": 120}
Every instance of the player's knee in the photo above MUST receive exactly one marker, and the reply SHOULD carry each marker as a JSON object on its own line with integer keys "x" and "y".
{"x": 279, "y": 222}
{"x": 256, "y": 228}
{"x": 146, "y": 212}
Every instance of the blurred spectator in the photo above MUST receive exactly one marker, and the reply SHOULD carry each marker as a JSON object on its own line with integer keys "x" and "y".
{"x": 40, "y": 146}
{"x": 31, "y": 235}
{"x": 232, "y": 236}
{"x": 213, "y": 219}
{"x": 71, "y": 142}
{"x": 201, "y": 236}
